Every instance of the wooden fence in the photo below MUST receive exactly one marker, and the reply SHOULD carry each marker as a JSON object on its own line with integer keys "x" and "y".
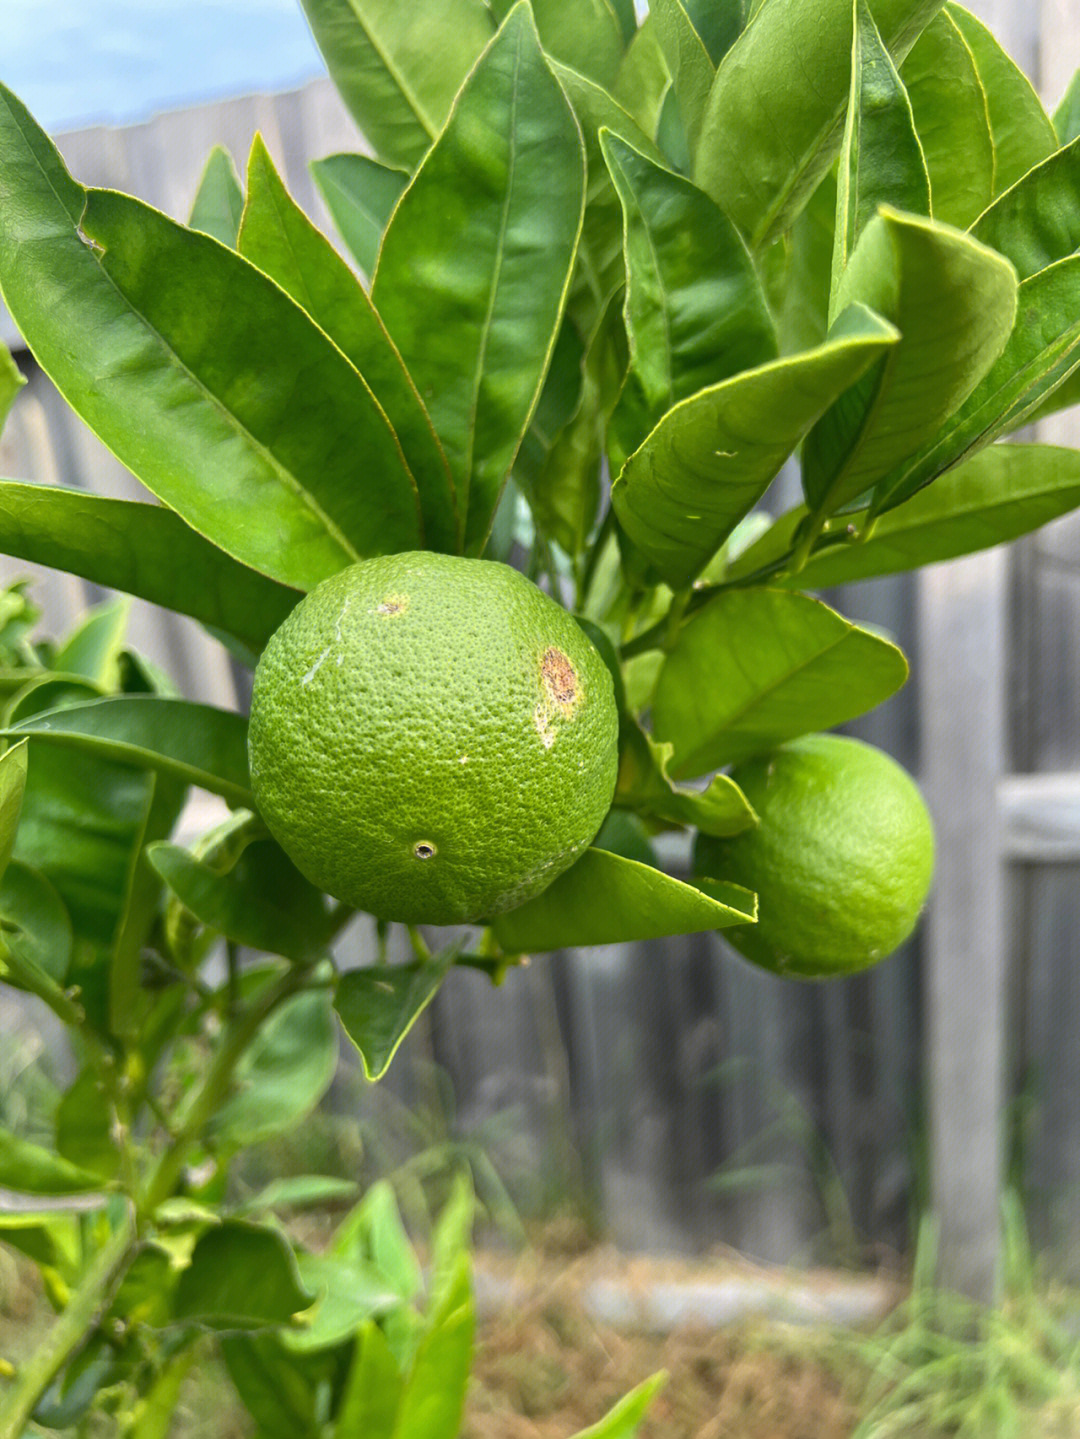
{"x": 698, "y": 1100}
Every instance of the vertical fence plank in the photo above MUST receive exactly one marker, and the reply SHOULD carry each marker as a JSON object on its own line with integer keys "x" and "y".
{"x": 963, "y": 613}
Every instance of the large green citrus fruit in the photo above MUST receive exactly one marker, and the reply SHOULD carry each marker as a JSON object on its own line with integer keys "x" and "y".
{"x": 432, "y": 739}
{"x": 841, "y": 859}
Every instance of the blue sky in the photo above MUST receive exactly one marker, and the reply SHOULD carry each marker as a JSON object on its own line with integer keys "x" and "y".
{"x": 76, "y": 62}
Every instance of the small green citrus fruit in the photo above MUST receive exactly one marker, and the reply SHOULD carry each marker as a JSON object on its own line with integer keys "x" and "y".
{"x": 841, "y": 860}
{"x": 432, "y": 739}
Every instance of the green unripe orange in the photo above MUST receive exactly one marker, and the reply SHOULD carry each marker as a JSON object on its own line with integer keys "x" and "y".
{"x": 841, "y": 858}
{"x": 433, "y": 739}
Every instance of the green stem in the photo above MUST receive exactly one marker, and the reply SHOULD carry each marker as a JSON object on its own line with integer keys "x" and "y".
{"x": 69, "y": 1331}
{"x": 674, "y": 618}
{"x": 419, "y": 946}
{"x": 232, "y": 959}
{"x": 788, "y": 564}
{"x": 60, "y": 1001}
{"x": 215, "y": 1087}
{"x": 805, "y": 546}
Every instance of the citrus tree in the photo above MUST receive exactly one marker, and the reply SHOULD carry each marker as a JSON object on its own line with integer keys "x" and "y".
{"x": 610, "y": 279}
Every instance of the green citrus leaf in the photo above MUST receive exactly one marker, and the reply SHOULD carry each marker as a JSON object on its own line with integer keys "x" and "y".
{"x": 241, "y": 1276}
{"x": 277, "y": 236}
{"x": 360, "y": 195}
{"x": 300, "y": 1191}
{"x": 378, "y": 1005}
{"x": 433, "y": 1397}
{"x": 347, "y": 1295}
{"x": 491, "y": 221}
{"x": 951, "y": 118}
{"x": 197, "y": 371}
{"x": 452, "y": 1237}
{"x": 600, "y": 254}
{"x": 881, "y": 160}
{"x": 47, "y": 1238}
{"x": 219, "y": 200}
{"x": 85, "y": 1125}
{"x": 129, "y": 1002}
{"x": 1020, "y": 129}
{"x": 397, "y": 83}
{"x": 695, "y": 310}
{"x": 200, "y": 744}
{"x": 144, "y": 550}
{"x": 689, "y": 63}
{"x": 775, "y": 116}
{"x": 797, "y": 274}
{"x": 373, "y": 1233}
{"x": 755, "y": 667}
{"x": 643, "y": 80}
{"x": 605, "y": 899}
{"x": 712, "y": 457}
{"x": 92, "y": 650}
{"x": 646, "y": 788}
{"x": 11, "y": 382}
{"x": 1032, "y": 371}
{"x": 1067, "y": 115}
{"x": 625, "y": 1419}
{"x": 372, "y": 1394}
{"x": 586, "y": 36}
{"x": 954, "y": 303}
{"x": 278, "y": 1391}
{"x": 1037, "y": 222}
{"x": 40, "y": 934}
{"x": 12, "y": 786}
{"x": 263, "y": 902}
{"x": 535, "y": 473}
{"x": 82, "y": 821}
{"x": 558, "y": 465}
{"x": 29, "y": 1169}
{"x": 1063, "y": 397}
{"x": 283, "y": 1074}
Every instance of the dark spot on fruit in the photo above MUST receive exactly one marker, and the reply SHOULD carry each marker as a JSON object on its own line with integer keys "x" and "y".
{"x": 393, "y": 605}
{"x": 560, "y": 680}
{"x": 424, "y": 849}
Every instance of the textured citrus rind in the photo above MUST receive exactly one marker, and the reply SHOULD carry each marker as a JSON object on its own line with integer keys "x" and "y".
{"x": 432, "y": 738}
{"x": 841, "y": 860}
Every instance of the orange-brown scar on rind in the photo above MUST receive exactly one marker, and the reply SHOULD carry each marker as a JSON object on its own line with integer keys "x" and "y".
{"x": 560, "y": 681}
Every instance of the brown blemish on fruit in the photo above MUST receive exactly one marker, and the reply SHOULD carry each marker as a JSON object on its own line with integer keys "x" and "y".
{"x": 392, "y": 605}
{"x": 561, "y": 694}
{"x": 560, "y": 681}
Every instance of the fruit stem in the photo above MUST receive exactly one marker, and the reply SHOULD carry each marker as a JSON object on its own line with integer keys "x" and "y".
{"x": 419, "y": 945}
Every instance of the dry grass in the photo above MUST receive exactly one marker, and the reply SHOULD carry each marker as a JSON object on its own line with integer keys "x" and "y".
{"x": 546, "y": 1374}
